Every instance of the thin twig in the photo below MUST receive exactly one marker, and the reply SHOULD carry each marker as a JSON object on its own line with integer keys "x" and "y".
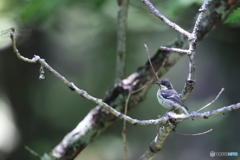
{"x": 12, "y": 36}
{"x": 150, "y": 62}
{"x": 149, "y": 59}
{"x": 32, "y": 152}
{"x": 196, "y": 134}
{"x": 212, "y": 100}
{"x": 121, "y": 39}
{"x": 178, "y": 50}
{"x": 121, "y": 54}
{"x": 153, "y": 10}
{"x": 124, "y": 131}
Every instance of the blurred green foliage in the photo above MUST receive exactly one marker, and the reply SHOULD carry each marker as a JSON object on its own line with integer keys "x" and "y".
{"x": 39, "y": 10}
{"x": 36, "y": 11}
{"x": 78, "y": 39}
{"x": 234, "y": 17}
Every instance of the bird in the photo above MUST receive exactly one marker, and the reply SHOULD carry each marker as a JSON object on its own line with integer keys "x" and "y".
{"x": 168, "y": 97}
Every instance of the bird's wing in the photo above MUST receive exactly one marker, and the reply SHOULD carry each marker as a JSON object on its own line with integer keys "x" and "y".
{"x": 168, "y": 94}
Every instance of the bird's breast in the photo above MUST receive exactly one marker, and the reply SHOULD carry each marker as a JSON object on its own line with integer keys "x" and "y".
{"x": 164, "y": 102}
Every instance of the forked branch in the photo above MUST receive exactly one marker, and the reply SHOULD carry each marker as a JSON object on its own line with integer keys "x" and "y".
{"x": 192, "y": 38}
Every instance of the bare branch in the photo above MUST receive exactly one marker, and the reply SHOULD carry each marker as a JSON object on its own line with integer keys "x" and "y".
{"x": 157, "y": 144}
{"x": 33, "y": 152}
{"x": 120, "y": 62}
{"x": 178, "y": 50}
{"x": 124, "y": 131}
{"x": 196, "y": 134}
{"x": 212, "y": 100}
{"x": 153, "y": 10}
{"x": 191, "y": 79}
{"x": 149, "y": 59}
{"x": 203, "y": 7}
{"x": 121, "y": 39}
{"x": 192, "y": 37}
{"x": 12, "y": 36}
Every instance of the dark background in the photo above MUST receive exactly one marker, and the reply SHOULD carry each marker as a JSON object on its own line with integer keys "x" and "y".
{"x": 78, "y": 39}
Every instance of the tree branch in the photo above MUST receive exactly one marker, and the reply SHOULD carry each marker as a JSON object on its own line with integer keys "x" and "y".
{"x": 154, "y": 11}
{"x": 212, "y": 100}
{"x": 157, "y": 144}
{"x": 121, "y": 39}
{"x": 192, "y": 38}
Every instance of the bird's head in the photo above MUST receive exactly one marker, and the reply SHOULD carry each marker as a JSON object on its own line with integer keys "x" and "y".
{"x": 165, "y": 84}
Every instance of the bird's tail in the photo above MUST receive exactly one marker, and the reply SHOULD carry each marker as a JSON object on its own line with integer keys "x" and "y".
{"x": 185, "y": 109}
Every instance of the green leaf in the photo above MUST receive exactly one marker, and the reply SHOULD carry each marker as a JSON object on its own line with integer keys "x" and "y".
{"x": 234, "y": 17}
{"x": 38, "y": 10}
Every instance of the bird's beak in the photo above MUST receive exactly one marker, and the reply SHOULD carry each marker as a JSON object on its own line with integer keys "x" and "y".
{"x": 157, "y": 83}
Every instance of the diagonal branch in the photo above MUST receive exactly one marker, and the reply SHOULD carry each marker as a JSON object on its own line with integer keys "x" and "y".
{"x": 157, "y": 144}
{"x": 153, "y": 10}
{"x": 212, "y": 100}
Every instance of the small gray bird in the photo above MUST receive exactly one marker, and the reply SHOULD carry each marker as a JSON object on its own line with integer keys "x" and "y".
{"x": 168, "y": 97}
